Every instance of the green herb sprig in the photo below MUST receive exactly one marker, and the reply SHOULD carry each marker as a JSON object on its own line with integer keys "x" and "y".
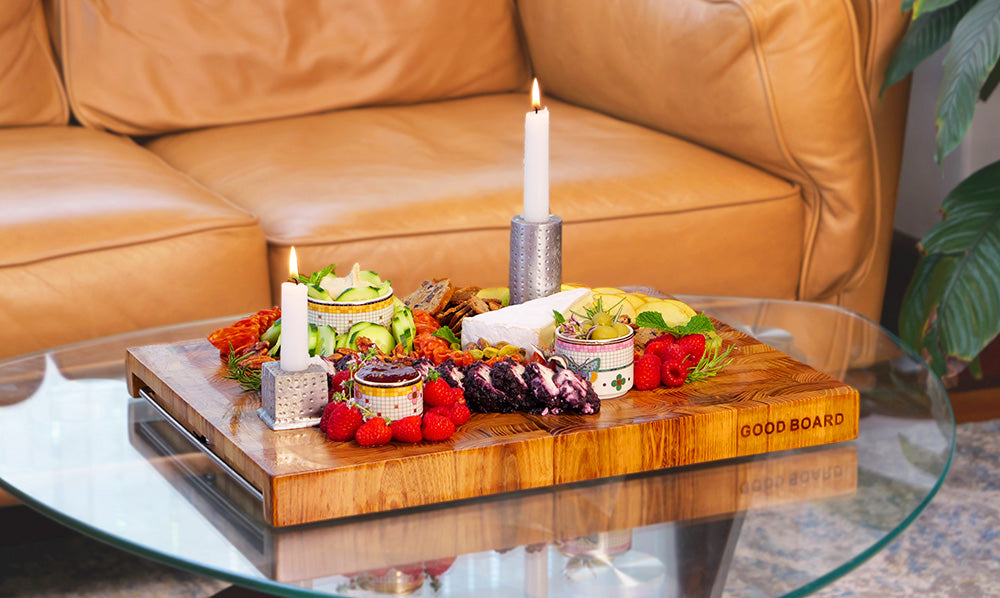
{"x": 236, "y": 369}
{"x": 710, "y": 364}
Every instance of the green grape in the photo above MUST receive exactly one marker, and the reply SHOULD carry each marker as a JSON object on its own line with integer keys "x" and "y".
{"x": 602, "y": 318}
{"x": 604, "y": 333}
{"x": 622, "y": 328}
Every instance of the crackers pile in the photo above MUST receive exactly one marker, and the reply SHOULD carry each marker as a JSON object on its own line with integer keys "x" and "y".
{"x": 450, "y": 305}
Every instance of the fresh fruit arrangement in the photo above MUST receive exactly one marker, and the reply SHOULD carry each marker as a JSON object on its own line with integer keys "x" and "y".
{"x": 689, "y": 352}
{"x": 358, "y": 285}
{"x": 344, "y": 419}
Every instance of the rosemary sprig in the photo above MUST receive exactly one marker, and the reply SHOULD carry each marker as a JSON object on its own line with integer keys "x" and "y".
{"x": 247, "y": 377}
{"x": 710, "y": 364}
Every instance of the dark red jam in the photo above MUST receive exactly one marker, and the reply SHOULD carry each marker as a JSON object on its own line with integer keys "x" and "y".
{"x": 381, "y": 372}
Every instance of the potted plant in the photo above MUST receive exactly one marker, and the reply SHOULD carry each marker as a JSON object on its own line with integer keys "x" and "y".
{"x": 951, "y": 309}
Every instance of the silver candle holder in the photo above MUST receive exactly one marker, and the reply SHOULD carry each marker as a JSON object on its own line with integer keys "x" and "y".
{"x": 535, "y": 258}
{"x": 292, "y": 399}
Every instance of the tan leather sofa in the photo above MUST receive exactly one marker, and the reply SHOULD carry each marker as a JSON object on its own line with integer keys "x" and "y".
{"x": 158, "y": 159}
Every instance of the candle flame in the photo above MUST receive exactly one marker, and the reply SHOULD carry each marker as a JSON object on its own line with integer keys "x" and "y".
{"x": 293, "y": 265}
{"x": 536, "y": 96}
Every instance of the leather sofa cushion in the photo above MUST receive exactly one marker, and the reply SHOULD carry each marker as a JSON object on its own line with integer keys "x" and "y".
{"x": 30, "y": 89}
{"x": 100, "y": 237}
{"x": 428, "y": 190}
{"x": 778, "y": 83}
{"x": 143, "y": 68}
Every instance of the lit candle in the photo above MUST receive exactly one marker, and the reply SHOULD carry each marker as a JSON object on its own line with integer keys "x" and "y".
{"x": 294, "y": 324}
{"x": 536, "y": 159}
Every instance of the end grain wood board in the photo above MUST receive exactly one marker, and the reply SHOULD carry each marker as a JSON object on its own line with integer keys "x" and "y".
{"x": 763, "y": 401}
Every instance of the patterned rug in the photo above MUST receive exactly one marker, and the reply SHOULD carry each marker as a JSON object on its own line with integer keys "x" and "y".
{"x": 952, "y": 549}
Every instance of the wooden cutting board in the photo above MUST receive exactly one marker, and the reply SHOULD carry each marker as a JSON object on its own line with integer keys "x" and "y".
{"x": 763, "y": 401}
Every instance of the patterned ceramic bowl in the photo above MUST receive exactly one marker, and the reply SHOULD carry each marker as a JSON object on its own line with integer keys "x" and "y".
{"x": 390, "y": 390}
{"x": 608, "y": 364}
{"x": 344, "y": 314}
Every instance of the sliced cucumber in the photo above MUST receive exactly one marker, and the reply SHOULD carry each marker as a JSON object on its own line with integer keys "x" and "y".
{"x": 359, "y": 294}
{"x": 317, "y": 292}
{"x": 326, "y": 343}
{"x": 403, "y": 328}
{"x": 313, "y": 337}
{"x": 272, "y": 334}
{"x": 369, "y": 276}
{"x": 375, "y": 333}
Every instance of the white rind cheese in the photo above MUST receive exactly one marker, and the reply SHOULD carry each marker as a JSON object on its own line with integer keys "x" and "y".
{"x": 527, "y": 324}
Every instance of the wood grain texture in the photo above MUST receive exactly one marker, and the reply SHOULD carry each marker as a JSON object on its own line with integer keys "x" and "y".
{"x": 763, "y": 401}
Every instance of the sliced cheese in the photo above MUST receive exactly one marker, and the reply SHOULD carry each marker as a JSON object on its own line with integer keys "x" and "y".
{"x": 527, "y": 324}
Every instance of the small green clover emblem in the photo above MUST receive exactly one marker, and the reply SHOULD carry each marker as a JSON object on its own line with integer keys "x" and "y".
{"x": 618, "y": 382}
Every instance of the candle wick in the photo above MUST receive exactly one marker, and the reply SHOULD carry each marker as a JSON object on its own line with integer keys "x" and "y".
{"x": 536, "y": 109}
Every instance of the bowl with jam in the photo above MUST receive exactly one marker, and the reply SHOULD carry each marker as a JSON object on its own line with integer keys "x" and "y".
{"x": 391, "y": 390}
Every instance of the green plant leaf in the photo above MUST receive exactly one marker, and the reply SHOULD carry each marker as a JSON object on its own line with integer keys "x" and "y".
{"x": 951, "y": 310}
{"x": 924, "y": 37}
{"x": 922, "y": 7}
{"x": 975, "y": 47}
{"x": 906, "y": 5}
{"x": 991, "y": 84}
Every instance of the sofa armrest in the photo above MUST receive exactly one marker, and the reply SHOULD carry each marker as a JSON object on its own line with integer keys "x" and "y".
{"x": 785, "y": 85}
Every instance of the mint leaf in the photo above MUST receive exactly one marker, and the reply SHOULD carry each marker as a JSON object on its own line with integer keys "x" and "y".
{"x": 447, "y": 334}
{"x": 697, "y": 324}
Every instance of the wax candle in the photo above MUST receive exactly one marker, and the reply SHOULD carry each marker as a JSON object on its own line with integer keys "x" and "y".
{"x": 294, "y": 323}
{"x": 536, "y": 159}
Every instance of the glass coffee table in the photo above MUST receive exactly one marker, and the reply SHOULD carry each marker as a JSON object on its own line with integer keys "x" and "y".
{"x": 76, "y": 447}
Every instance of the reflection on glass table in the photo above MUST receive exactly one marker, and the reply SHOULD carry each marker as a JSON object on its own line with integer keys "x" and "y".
{"x": 75, "y": 446}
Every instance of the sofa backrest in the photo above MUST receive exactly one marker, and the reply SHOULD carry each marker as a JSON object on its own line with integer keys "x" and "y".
{"x": 781, "y": 84}
{"x": 147, "y": 67}
{"x": 30, "y": 89}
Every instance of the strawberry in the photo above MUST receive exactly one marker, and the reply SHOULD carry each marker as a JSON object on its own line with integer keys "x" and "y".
{"x": 437, "y": 393}
{"x": 460, "y": 413}
{"x": 647, "y": 372}
{"x": 693, "y": 345}
{"x": 407, "y": 429}
{"x": 658, "y": 345}
{"x": 673, "y": 374}
{"x": 337, "y": 381}
{"x": 373, "y": 432}
{"x": 437, "y": 427}
{"x": 343, "y": 421}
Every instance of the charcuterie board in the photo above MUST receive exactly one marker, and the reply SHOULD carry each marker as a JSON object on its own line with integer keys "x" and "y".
{"x": 763, "y": 401}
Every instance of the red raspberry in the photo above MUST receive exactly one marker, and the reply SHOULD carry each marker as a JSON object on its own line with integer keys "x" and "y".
{"x": 673, "y": 374}
{"x": 694, "y": 346}
{"x": 647, "y": 372}
{"x": 373, "y": 432}
{"x": 407, "y": 429}
{"x": 342, "y": 421}
{"x": 437, "y": 427}
{"x": 674, "y": 353}
{"x": 658, "y": 345}
{"x": 460, "y": 414}
{"x": 459, "y": 395}
{"x": 437, "y": 392}
{"x": 337, "y": 381}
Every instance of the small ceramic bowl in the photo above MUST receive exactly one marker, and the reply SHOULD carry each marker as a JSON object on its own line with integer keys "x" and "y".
{"x": 390, "y": 390}
{"x": 344, "y": 314}
{"x": 607, "y": 364}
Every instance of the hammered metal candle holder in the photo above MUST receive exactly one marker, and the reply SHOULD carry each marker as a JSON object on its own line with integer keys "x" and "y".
{"x": 535, "y": 258}
{"x": 292, "y": 399}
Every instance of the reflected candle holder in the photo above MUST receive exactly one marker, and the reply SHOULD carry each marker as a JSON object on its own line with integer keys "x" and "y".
{"x": 535, "y": 258}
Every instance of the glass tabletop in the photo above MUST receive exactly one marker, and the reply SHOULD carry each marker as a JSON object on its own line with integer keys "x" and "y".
{"x": 76, "y": 447}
